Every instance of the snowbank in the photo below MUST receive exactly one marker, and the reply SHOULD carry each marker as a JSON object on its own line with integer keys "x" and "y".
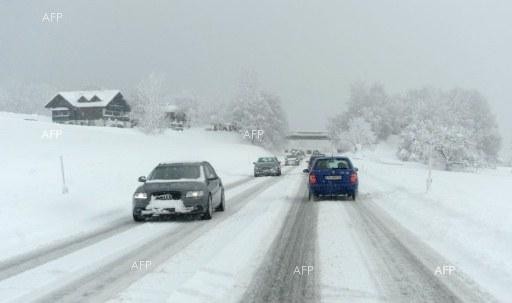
{"x": 101, "y": 167}
{"x": 465, "y": 217}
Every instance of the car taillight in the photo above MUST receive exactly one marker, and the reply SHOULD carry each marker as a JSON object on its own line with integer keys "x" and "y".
{"x": 312, "y": 179}
{"x": 353, "y": 178}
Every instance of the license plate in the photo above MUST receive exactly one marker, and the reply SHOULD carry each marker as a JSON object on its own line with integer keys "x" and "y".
{"x": 332, "y": 177}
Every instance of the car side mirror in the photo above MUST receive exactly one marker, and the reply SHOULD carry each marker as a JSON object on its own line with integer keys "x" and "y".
{"x": 142, "y": 179}
{"x": 254, "y": 163}
{"x": 356, "y": 169}
{"x": 305, "y": 171}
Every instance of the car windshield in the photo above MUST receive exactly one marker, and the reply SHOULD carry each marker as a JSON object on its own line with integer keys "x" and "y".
{"x": 332, "y": 163}
{"x": 266, "y": 160}
{"x": 175, "y": 172}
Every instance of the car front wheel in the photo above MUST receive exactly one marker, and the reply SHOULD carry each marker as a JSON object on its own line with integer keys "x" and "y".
{"x": 137, "y": 218}
{"x": 209, "y": 209}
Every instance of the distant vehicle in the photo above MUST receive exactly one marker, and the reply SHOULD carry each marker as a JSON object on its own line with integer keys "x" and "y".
{"x": 171, "y": 189}
{"x": 267, "y": 166}
{"x": 301, "y": 154}
{"x": 298, "y": 153}
{"x": 331, "y": 177}
{"x": 176, "y": 126}
{"x": 312, "y": 159}
{"x": 292, "y": 160}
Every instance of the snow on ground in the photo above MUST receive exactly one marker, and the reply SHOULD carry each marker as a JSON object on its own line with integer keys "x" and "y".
{"x": 101, "y": 165}
{"x": 219, "y": 265}
{"x": 465, "y": 217}
{"x": 344, "y": 264}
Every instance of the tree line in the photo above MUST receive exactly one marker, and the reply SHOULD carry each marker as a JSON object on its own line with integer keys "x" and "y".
{"x": 455, "y": 126}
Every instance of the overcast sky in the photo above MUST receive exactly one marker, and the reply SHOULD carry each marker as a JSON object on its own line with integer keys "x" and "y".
{"x": 308, "y": 52}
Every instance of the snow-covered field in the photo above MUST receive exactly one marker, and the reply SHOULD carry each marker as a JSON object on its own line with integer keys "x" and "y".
{"x": 101, "y": 167}
{"x": 465, "y": 217}
{"x": 384, "y": 247}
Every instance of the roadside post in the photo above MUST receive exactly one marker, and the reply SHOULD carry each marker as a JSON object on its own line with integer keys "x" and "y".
{"x": 64, "y": 187}
{"x": 429, "y": 175}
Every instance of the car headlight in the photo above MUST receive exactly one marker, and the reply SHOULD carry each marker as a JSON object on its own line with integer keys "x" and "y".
{"x": 140, "y": 196}
{"x": 194, "y": 194}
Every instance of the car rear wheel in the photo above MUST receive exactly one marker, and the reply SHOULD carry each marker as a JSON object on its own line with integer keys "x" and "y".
{"x": 312, "y": 197}
{"x": 209, "y": 209}
{"x": 221, "y": 206}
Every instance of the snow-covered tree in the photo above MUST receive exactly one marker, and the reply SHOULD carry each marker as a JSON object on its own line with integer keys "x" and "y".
{"x": 149, "y": 103}
{"x": 253, "y": 109}
{"x": 356, "y": 135}
{"x": 29, "y": 98}
{"x": 457, "y": 124}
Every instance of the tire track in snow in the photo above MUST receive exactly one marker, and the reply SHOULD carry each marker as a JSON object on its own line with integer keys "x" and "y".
{"x": 295, "y": 247}
{"x": 26, "y": 261}
{"x": 101, "y": 284}
{"x": 406, "y": 266}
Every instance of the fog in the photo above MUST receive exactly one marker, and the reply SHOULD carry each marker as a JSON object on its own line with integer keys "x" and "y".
{"x": 307, "y": 52}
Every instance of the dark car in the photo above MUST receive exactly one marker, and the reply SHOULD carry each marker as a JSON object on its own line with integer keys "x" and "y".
{"x": 171, "y": 189}
{"x": 331, "y": 177}
{"x": 312, "y": 159}
{"x": 267, "y": 166}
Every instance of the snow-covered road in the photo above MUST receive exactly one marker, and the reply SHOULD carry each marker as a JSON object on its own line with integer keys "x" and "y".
{"x": 270, "y": 245}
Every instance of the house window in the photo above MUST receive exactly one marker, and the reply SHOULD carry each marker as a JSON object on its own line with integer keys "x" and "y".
{"x": 113, "y": 113}
{"x": 61, "y": 113}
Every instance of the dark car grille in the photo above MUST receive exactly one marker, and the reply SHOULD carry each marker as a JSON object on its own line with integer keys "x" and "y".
{"x": 167, "y": 195}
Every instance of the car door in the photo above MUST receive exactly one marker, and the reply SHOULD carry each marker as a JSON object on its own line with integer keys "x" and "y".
{"x": 214, "y": 185}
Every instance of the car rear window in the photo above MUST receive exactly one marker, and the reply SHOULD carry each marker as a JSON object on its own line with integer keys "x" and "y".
{"x": 332, "y": 163}
{"x": 263, "y": 160}
{"x": 175, "y": 172}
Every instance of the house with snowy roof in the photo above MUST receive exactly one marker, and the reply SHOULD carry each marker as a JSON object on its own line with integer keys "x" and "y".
{"x": 93, "y": 107}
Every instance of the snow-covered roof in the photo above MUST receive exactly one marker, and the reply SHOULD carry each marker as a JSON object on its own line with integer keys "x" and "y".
{"x": 87, "y": 98}
{"x": 59, "y": 108}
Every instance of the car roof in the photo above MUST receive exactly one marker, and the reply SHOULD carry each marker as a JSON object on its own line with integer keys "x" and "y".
{"x": 332, "y": 157}
{"x": 181, "y": 163}
{"x": 317, "y": 156}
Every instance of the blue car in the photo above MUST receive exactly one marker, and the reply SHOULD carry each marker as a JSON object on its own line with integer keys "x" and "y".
{"x": 331, "y": 177}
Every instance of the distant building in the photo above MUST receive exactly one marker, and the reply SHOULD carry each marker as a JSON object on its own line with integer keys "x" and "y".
{"x": 312, "y": 140}
{"x": 175, "y": 117}
{"x": 101, "y": 107}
